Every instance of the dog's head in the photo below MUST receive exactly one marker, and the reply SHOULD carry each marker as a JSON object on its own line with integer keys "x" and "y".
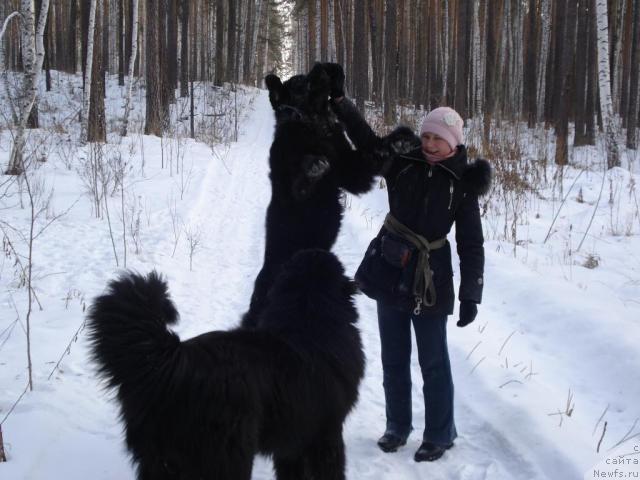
{"x": 311, "y": 292}
{"x": 301, "y": 96}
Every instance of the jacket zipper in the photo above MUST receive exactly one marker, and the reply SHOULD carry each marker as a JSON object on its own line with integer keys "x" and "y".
{"x": 450, "y": 171}
{"x": 450, "y": 193}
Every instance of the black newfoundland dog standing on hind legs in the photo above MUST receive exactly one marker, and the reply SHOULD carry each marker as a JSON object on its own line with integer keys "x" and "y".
{"x": 201, "y": 409}
{"x": 311, "y": 162}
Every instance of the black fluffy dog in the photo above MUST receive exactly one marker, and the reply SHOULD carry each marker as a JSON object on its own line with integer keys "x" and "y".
{"x": 202, "y": 408}
{"x": 311, "y": 161}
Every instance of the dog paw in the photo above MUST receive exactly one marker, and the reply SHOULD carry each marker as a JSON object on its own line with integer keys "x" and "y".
{"x": 402, "y": 140}
{"x": 315, "y": 166}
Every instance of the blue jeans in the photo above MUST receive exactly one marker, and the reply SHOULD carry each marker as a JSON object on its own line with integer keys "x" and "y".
{"x": 433, "y": 356}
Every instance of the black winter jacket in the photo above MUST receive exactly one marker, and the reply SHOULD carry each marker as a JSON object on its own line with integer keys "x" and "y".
{"x": 429, "y": 199}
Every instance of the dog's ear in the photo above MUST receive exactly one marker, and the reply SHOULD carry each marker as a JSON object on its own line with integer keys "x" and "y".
{"x": 275, "y": 87}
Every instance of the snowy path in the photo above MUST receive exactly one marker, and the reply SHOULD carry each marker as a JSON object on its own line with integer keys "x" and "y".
{"x": 512, "y": 367}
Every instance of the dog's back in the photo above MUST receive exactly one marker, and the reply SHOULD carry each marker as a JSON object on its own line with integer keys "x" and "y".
{"x": 202, "y": 408}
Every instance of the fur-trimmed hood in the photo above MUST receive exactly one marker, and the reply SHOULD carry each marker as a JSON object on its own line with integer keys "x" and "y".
{"x": 477, "y": 177}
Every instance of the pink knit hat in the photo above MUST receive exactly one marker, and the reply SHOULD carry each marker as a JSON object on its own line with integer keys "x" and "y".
{"x": 446, "y": 123}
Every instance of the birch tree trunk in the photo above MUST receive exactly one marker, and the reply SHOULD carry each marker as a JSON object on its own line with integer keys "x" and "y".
{"x": 87, "y": 73}
{"x": 545, "y": 42}
{"x": 32, "y": 41}
{"x": 604, "y": 77}
{"x": 132, "y": 62}
{"x": 4, "y": 83}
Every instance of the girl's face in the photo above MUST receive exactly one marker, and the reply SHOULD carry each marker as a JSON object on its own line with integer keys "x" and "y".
{"x": 435, "y": 145}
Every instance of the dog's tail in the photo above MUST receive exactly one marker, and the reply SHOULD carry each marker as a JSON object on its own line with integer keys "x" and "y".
{"x": 127, "y": 326}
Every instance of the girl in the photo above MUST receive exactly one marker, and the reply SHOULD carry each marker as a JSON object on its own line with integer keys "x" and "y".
{"x": 408, "y": 270}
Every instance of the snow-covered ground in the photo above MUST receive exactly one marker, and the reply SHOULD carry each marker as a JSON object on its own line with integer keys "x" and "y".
{"x": 552, "y": 356}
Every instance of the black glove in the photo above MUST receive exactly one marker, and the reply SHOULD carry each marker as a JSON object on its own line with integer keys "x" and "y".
{"x": 468, "y": 312}
{"x": 336, "y": 76}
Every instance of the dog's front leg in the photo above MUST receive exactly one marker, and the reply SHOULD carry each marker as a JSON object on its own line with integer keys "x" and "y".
{"x": 313, "y": 169}
{"x": 327, "y": 458}
{"x": 290, "y": 469}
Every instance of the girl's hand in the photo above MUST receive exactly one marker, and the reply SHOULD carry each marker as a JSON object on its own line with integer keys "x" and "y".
{"x": 468, "y": 312}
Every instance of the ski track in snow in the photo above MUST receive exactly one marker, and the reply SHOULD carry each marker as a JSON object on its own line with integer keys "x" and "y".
{"x": 498, "y": 437}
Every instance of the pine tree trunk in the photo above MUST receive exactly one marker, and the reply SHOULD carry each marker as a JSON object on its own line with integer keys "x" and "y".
{"x": 624, "y": 61}
{"x": 360, "y": 62}
{"x": 184, "y": 47}
{"x": 154, "y": 120}
{"x": 461, "y": 104}
{"x": 168, "y": 92}
{"x": 312, "y": 33}
{"x": 494, "y": 20}
{"x": 120, "y": 42}
{"x": 232, "y": 74}
{"x": 339, "y": 31}
{"x": 449, "y": 51}
{"x": 104, "y": 28}
{"x": 421, "y": 48}
{"x": 632, "y": 111}
{"x": 263, "y": 44}
{"x": 530, "y": 73}
{"x": 72, "y": 52}
{"x": 348, "y": 26}
{"x": 172, "y": 48}
{"x": 604, "y": 77}
{"x": 254, "y": 39}
{"x": 580, "y": 85}
{"x": 401, "y": 60}
{"x": 391, "y": 55}
{"x": 592, "y": 74}
{"x": 324, "y": 30}
{"x": 48, "y": 49}
{"x": 248, "y": 36}
{"x": 434, "y": 87}
{"x": 96, "y": 131}
{"x": 614, "y": 20}
{"x": 478, "y": 60}
{"x": 565, "y": 82}
{"x": 374, "y": 34}
{"x": 219, "y": 73}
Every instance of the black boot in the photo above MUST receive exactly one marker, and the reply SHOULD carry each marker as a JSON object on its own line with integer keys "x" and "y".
{"x": 428, "y": 452}
{"x": 390, "y": 442}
